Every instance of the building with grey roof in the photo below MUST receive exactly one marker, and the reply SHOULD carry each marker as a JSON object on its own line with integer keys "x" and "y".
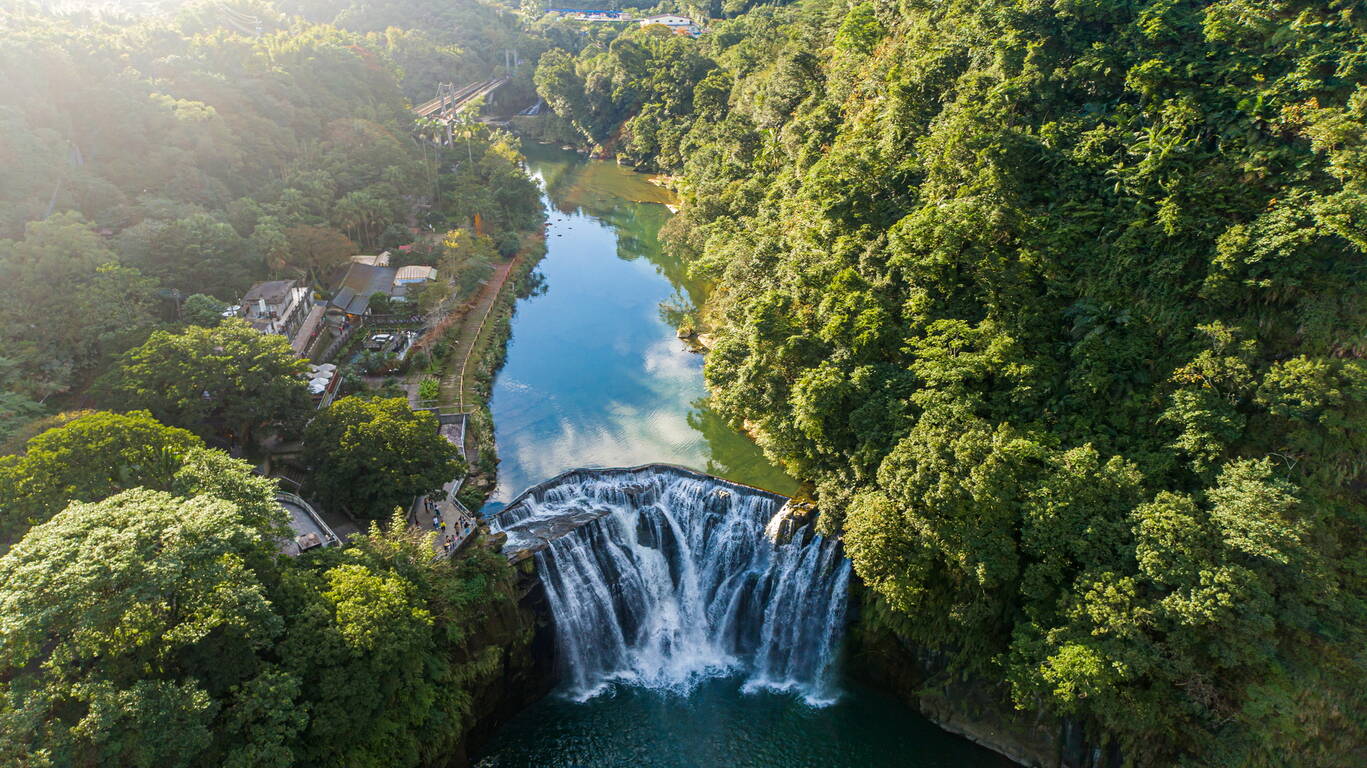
{"x": 277, "y": 306}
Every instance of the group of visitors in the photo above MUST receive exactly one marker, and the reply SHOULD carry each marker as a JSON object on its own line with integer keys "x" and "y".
{"x": 461, "y": 528}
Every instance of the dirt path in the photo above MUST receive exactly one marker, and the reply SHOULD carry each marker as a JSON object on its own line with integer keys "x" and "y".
{"x": 454, "y": 387}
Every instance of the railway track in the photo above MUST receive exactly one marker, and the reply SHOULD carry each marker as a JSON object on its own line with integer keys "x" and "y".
{"x": 451, "y": 100}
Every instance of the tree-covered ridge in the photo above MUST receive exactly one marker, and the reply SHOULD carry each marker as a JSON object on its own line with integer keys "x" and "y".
{"x": 159, "y": 119}
{"x": 147, "y": 159}
{"x": 155, "y": 629}
{"x": 1060, "y": 305}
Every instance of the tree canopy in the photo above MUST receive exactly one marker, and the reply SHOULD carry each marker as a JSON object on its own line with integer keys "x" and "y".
{"x": 193, "y": 643}
{"x": 67, "y": 305}
{"x": 370, "y": 456}
{"x": 98, "y": 454}
{"x": 224, "y": 380}
{"x": 120, "y": 664}
{"x": 1059, "y": 306}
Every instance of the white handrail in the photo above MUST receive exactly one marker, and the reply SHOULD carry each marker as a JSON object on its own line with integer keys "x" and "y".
{"x": 298, "y": 501}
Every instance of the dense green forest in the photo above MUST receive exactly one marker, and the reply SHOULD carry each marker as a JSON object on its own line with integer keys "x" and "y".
{"x": 1060, "y": 306}
{"x": 144, "y": 159}
{"x": 154, "y": 163}
{"x": 159, "y": 626}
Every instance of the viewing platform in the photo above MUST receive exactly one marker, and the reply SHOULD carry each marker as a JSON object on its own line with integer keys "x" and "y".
{"x": 310, "y": 530}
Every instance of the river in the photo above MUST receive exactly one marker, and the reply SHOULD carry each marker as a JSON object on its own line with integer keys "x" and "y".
{"x": 596, "y": 377}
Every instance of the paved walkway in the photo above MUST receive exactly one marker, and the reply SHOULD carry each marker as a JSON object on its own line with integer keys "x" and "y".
{"x": 459, "y": 526}
{"x": 454, "y": 386}
{"x": 454, "y": 433}
{"x": 455, "y": 391}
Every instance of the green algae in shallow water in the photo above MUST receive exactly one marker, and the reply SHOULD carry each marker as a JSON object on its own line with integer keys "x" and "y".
{"x": 718, "y": 726}
{"x": 595, "y": 375}
{"x": 597, "y": 187}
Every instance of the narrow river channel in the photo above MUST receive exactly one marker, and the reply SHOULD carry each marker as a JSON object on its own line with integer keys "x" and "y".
{"x": 596, "y": 377}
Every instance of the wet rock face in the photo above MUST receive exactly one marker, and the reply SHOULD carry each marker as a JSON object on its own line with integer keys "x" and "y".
{"x": 793, "y": 520}
{"x": 525, "y": 671}
{"x": 533, "y": 535}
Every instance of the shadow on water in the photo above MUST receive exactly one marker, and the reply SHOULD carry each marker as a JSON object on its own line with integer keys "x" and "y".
{"x": 626, "y": 201}
{"x": 718, "y": 726}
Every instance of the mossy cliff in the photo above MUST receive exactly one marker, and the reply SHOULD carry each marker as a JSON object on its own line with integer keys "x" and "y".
{"x": 978, "y": 709}
{"x": 512, "y": 661}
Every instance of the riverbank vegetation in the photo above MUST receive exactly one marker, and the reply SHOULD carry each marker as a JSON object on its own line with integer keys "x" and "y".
{"x": 486, "y": 357}
{"x": 1060, "y": 308}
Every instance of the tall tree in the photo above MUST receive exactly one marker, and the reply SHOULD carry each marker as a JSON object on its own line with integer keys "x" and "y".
{"x": 370, "y": 456}
{"x": 87, "y": 459}
{"x": 195, "y": 254}
{"x": 65, "y": 302}
{"x": 225, "y": 380}
{"x": 99, "y": 454}
{"x": 135, "y": 662}
{"x": 318, "y": 249}
{"x": 16, "y": 409}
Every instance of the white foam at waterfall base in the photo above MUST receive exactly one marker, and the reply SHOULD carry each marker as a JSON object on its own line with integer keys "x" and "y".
{"x": 677, "y": 583}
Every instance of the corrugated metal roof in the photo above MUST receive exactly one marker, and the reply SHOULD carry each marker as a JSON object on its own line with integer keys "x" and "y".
{"x": 414, "y": 274}
{"x": 350, "y": 302}
{"x": 365, "y": 279}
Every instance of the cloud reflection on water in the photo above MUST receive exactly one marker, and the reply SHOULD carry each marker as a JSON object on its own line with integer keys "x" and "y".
{"x": 595, "y": 375}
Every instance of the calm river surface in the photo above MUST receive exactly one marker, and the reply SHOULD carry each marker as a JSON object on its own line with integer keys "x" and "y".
{"x": 596, "y": 377}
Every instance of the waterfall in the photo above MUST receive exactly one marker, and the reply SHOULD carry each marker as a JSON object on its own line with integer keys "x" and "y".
{"x": 661, "y": 577}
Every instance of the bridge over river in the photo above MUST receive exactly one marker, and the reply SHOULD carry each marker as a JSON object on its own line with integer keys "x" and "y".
{"x": 452, "y": 99}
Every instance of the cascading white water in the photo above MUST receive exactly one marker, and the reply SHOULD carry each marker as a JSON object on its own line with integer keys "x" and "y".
{"x": 666, "y": 577}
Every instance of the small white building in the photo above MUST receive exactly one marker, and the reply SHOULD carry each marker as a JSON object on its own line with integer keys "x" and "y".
{"x": 679, "y": 24}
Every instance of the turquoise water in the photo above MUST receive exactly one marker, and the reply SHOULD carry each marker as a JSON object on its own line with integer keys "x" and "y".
{"x": 596, "y": 377}
{"x": 718, "y": 726}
